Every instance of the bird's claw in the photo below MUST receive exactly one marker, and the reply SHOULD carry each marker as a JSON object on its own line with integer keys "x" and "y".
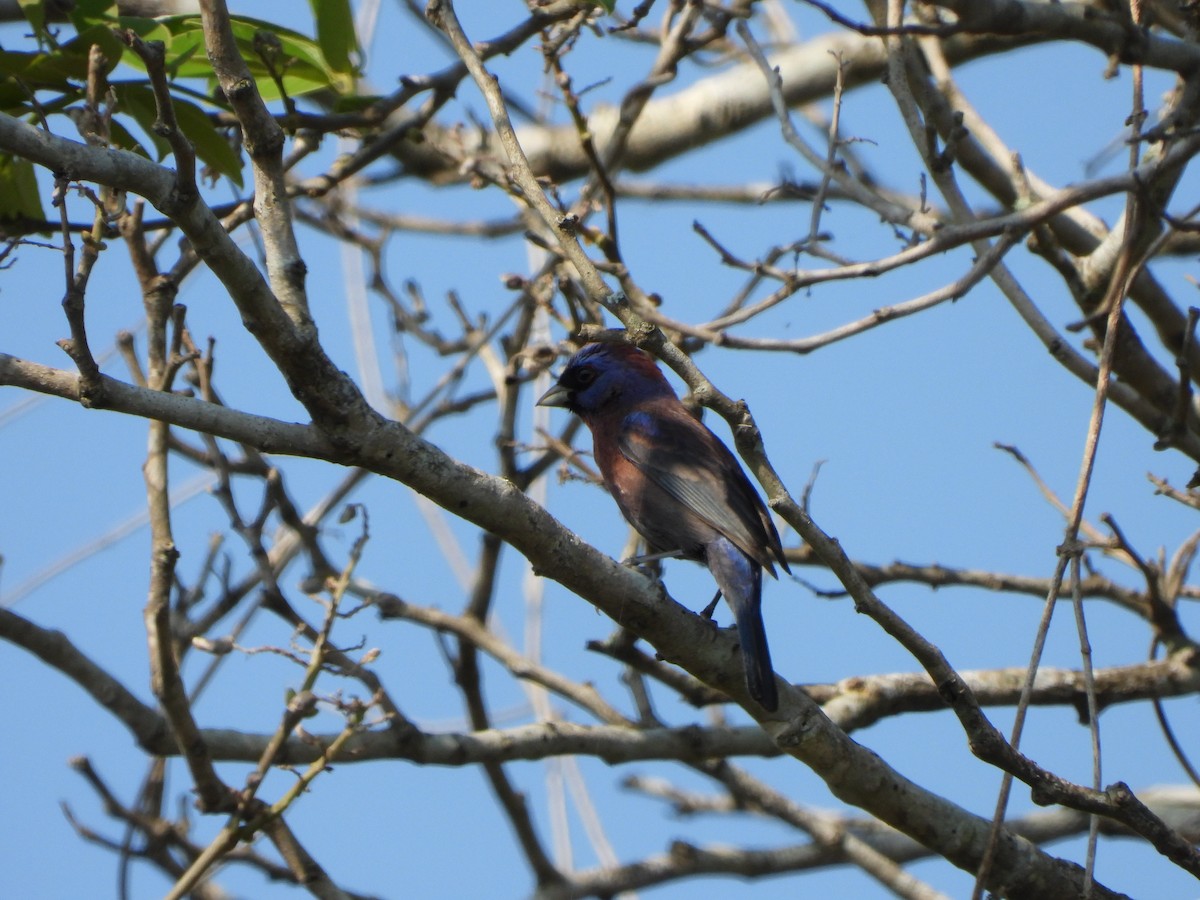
{"x": 646, "y": 567}
{"x": 643, "y": 559}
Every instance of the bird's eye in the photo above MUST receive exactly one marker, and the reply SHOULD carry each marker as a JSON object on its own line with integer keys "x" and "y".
{"x": 585, "y": 376}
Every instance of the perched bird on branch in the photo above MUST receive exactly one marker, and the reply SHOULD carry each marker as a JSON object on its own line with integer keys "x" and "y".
{"x": 678, "y": 485}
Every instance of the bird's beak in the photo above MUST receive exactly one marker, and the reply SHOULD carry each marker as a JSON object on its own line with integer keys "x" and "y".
{"x": 556, "y": 396}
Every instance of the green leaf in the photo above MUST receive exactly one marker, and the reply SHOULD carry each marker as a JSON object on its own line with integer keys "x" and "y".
{"x": 44, "y": 71}
{"x": 302, "y": 63}
{"x": 85, "y": 13}
{"x": 35, "y": 14}
{"x": 14, "y": 99}
{"x": 180, "y": 62}
{"x": 137, "y": 101}
{"x": 305, "y": 69}
{"x": 211, "y": 146}
{"x": 355, "y": 102}
{"x": 147, "y": 29}
{"x": 335, "y": 33}
{"x": 102, "y": 36}
{"x": 64, "y": 68}
{"x": 121, "y": 137}
{"x": 19, "y": 196}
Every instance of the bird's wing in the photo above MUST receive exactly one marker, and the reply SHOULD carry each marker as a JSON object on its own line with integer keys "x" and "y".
{"x": 690, "y": 463}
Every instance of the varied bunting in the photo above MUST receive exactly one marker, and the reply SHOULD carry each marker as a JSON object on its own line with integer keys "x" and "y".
{"x": 677, "y": 484}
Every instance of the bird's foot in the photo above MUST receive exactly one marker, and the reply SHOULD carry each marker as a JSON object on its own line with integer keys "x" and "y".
{"x": 639, "y": 562}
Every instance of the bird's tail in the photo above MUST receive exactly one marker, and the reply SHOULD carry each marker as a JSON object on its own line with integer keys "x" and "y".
{"x": 756, "y": 655}
{"x": 740, "y": 580}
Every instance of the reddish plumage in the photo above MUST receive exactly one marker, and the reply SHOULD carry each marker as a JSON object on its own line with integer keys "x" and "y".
{"x": 677, "y": 484}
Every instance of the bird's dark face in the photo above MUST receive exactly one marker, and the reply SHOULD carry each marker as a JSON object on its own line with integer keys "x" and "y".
{"x": 602, "y": 376}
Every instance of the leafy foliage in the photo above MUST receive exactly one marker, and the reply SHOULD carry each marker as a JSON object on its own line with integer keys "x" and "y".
{"x": 53, "y": 80}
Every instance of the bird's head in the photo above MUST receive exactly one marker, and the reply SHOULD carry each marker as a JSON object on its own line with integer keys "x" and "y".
{"x": 606, "y": 376}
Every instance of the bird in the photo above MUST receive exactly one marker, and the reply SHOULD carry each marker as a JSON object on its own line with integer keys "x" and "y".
{"x": 678, "y": 485}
